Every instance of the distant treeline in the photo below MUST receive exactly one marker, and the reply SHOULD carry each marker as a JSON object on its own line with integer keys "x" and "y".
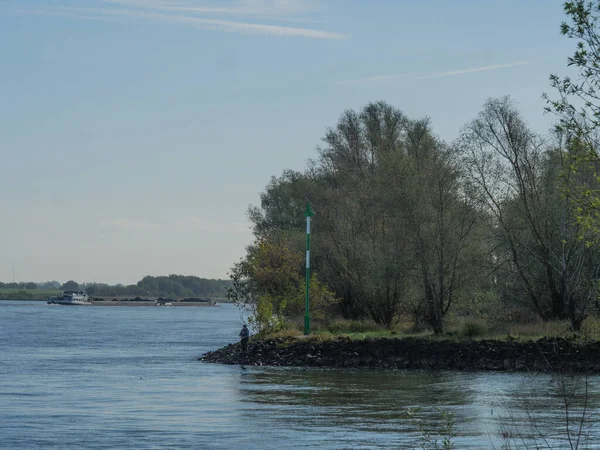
{"x": 172, "y": 286}
{"x": 30, "y": 285}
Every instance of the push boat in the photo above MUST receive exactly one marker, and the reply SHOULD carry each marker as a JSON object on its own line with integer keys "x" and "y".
{"x": 70, "y": 298}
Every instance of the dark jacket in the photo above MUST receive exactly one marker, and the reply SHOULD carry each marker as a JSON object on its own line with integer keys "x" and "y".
{"x": 245, "y": 333}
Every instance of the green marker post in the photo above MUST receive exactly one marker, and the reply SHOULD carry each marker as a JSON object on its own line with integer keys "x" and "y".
{"x": 308, "y": 214}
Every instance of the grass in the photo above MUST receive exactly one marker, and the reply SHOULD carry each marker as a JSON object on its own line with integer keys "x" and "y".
{"x": 456, "y": 329}
{"x": 353, "y": 329}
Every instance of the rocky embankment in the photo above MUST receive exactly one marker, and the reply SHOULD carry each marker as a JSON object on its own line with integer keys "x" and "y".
{"x": 544, "y": 355}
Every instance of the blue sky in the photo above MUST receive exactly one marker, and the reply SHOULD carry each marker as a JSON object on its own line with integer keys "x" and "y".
{"x": 135, "y": 133}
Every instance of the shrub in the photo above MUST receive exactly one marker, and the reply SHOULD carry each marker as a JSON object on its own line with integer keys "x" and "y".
{"x": 263, "y": 320}
{"x": 473, "y": 329}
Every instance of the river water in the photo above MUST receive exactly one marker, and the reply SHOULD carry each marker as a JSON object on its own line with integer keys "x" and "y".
{"x": 128, "y": 377}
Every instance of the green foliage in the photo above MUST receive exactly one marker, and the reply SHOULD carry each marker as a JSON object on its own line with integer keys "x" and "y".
{"x": 577, "y": 108}
{"x": 171, "y": 286}
{"x": 321, "y": 297}
{"x": 182, "y": 286}
{"x": 265, "y": 320}
{"x": 270, "y": 281}
{"x": 264, "y": 324}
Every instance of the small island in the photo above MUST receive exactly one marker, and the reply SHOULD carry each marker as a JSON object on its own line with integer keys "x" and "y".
{"x": 478, "y": 254}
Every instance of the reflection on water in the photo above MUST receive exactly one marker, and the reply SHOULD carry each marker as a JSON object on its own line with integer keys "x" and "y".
{"x": 360, "y": 408}
{"x": 105, "y": 378}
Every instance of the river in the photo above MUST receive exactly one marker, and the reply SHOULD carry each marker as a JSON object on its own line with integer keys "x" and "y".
{"x": 128, "y": 377}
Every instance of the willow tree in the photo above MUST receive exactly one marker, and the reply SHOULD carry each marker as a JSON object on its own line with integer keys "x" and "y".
{"x": 397, "y": 224}
{"x": 364, "y": 257}
{"x": 442, "y": 227}
{"x": 515, "y": 178}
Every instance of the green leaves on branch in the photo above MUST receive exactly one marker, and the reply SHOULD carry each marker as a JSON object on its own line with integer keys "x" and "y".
{"x": 577, "y": 108}
{"x": 270, "y": 281}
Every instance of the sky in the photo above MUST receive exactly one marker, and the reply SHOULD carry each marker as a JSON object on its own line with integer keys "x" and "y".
{"x": 134, "y": 134}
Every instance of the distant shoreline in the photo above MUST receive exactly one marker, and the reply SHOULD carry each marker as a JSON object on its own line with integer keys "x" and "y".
{"x": 167, "y": 303}
{"x": 150, "y": 303}
{"x": 23, "y": 299}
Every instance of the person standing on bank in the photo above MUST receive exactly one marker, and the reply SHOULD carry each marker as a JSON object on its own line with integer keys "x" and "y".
{"x": 244, "y": 336}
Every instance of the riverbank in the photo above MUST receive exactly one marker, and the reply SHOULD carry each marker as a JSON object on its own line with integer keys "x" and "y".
{"x": 543, "y": 355}
{"x": 95, "y": 302}
{"x": 138, "y": 301}
{"x": 106, "y": 301}
{"x": 151, "y": 303}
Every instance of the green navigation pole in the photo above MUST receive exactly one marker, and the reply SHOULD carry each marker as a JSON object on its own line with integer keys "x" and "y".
{"x": 308, "y": 214}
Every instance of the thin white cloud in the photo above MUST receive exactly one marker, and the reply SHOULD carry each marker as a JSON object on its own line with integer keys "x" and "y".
{"x": 476, "y": 69}
{"x": 148, "y": 10}
{"x": 243, "y": 7}
{"x": 382, "y": 78}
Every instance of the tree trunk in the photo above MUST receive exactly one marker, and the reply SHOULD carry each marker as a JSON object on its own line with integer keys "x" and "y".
{"x": 575, "y": 316}
{"x": 437, "y": 323}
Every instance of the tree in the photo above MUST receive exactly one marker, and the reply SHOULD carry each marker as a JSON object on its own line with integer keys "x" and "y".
{"x": 363, "y": 255}
{"x": 397, "y": 222}
{"x": 515, "y": 179}
{"x": 70, "y": 286}
{"x": 442, "y": 225}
